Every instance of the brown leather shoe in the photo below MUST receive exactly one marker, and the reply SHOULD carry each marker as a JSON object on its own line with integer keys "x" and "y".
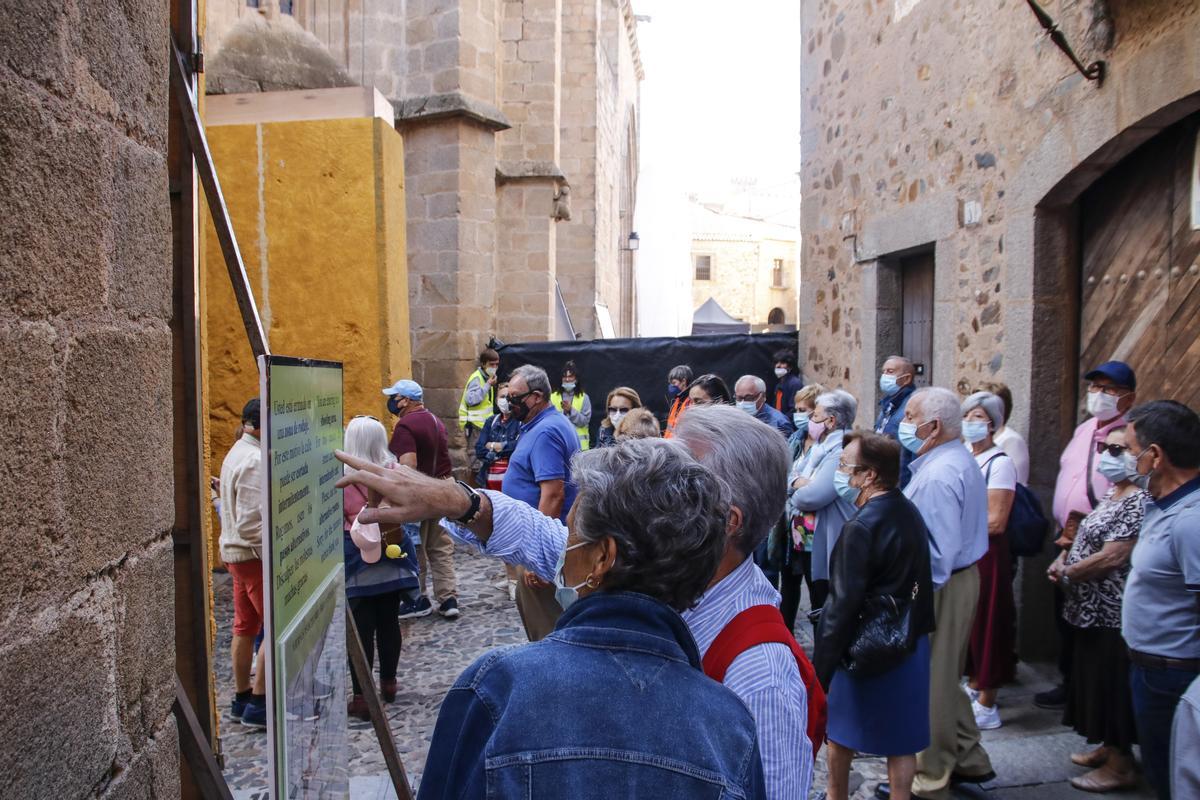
{"x": 1104, "y": 780}
{"x": 388, "y": 690}
{"x": 1095, "y": 758}
{"x": 358, "y": 708}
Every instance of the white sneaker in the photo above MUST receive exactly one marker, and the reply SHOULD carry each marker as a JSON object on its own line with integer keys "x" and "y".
{"x": 986, "y": 719}
{"x": 971, "y": 693}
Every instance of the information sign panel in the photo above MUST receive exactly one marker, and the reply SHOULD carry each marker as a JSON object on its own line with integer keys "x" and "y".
{"x": 304, "y": 581}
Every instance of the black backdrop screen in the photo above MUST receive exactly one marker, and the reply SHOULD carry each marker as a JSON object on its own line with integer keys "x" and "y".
{"x": 643, "y": 364}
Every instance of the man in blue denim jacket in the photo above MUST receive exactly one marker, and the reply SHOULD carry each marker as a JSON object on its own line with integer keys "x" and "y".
{"x": 580, "y": 714}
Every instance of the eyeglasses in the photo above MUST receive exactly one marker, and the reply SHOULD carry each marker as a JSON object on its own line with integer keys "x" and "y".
{"x": 844, "y": 467}
{"x": 1114, "y": 450}
{"x": 520, "y": 398}
{"x": 1114, "y": 391}
{"x": 615, "y": 410}
{"x": 748, "y": 398}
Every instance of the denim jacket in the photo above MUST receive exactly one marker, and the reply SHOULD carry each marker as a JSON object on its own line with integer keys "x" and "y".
{"x": 612, "y": 704}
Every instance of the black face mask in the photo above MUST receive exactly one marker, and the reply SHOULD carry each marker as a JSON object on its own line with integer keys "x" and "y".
{"x": 394, "y": 405}
{"x": 518, "y": 411}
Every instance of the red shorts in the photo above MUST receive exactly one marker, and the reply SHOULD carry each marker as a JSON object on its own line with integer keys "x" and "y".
{"x": 247, "y": 597}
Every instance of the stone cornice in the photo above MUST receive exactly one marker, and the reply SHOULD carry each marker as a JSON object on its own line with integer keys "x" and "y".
{"x": 433, "y": 107}
{"x": 509, "y": 171}
{"x": 631, "y": 32}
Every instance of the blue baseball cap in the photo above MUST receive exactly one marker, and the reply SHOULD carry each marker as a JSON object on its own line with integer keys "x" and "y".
{"x": 1118, "y": 372}
{"x": 405, "y": 388}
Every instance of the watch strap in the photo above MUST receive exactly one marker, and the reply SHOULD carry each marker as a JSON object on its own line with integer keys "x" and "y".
{"x": 472, "y": 512}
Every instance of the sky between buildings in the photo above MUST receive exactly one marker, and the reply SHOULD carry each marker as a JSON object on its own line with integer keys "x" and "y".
{"x": 720, "y": 105}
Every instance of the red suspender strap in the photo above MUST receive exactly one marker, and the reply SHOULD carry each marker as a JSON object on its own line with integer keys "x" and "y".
{"x": 763, "y": 625}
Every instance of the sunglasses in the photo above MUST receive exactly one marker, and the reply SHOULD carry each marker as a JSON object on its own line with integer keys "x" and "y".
{"x": 519, "y": 398}
{"x": 614, "y": 410}
{"x": 1114, "y": 450}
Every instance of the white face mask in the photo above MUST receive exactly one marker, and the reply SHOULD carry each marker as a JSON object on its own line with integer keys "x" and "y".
{"x": 616, "y": 417}
{"x": 502, "y": 404}
{"x": 749, "y": 406}
{"x": 780, "y": 372}
{"x": 568, "y": 386}
{"x": 491, "y": 371}
{"x": 974, "y": 430}
{"x": 1102, "y": 406}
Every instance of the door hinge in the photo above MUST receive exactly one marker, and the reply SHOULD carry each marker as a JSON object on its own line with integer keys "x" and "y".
{"x": 196, "y": 60}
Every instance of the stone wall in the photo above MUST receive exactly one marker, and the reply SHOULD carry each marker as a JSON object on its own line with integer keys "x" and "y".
{"x": 920, "y": 119}
{"x": 962, "y": 128}
{"x": 87, "y": 645}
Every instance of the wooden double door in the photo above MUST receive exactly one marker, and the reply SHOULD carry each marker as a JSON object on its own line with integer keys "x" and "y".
{"x": 1140, "y": 270}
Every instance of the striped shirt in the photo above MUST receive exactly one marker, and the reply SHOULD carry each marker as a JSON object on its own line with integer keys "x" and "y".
{"x": 765, "y": 677}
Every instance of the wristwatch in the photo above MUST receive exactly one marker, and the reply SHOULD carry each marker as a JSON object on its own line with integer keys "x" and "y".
{"x": 472, "y": 512}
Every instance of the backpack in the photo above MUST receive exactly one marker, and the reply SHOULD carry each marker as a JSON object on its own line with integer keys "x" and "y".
{"x": 1027, "y": 525}
{"x": 761, "y": 625}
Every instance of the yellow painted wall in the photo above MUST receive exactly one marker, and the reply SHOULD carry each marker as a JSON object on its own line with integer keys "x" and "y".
{"x": 318, "y": 210}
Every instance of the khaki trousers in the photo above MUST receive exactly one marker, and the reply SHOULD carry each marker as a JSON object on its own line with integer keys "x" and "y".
{"x": 436, "y": 554}
{"x": 954, "y": 738}
{"x": 539, "y": 610}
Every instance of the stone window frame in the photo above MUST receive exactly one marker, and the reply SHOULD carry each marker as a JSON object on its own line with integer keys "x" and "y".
{"x": 696, "y": 266}
{"x": 778, "y": 267}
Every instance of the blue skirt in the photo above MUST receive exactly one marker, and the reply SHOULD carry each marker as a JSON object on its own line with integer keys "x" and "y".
{"x": 884, "y": 715}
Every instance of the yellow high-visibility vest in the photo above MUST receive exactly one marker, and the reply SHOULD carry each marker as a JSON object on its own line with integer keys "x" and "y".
{"x": 577, "y": 404}
{"x": 477, "y": 414}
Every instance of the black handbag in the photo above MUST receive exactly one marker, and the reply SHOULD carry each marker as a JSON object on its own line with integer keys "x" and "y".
{"x": 884, "y": 635}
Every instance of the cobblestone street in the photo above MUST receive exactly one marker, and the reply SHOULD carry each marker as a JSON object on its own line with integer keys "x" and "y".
{"x": 1029, "y": 753}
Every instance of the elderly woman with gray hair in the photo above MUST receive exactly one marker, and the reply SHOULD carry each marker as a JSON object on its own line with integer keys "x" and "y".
{"x": 812, "y": 496}
{"x": 990, "y": 656}
{"x": 581, "y": 712}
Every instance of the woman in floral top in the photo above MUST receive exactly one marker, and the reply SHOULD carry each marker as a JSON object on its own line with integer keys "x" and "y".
{"x": 1092, "y": 575}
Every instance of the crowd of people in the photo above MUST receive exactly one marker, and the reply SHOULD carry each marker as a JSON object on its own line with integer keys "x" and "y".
{"x": 666, "y": 551}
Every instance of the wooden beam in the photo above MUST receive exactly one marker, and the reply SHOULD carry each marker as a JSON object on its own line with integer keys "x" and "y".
{"x": 196, "y": 752}
{"x": 362, "y": 671}
{"x": 186, "y": 100}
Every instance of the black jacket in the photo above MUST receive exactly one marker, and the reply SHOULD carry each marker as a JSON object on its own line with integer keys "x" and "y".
{"x": 882, "y": 550}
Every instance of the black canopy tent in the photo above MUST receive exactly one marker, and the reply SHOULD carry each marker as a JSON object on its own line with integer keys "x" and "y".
{"x": 711, "y": 318}
{"x": 643, "y": 364}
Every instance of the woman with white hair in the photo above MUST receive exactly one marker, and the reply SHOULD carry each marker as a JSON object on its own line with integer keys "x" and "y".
{"x": 990, "y": 657}
{"x": 812, "y": 496}
{"x": 375, "y": 578}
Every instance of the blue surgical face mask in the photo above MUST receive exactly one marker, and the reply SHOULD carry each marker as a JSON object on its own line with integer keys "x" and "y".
{"x": 568, "y": 386}
{"x": 841, "y": 482}
{"x": 907, "y": 433}
{"x": 800, "y": 418}
{"x": 1116, "y": 468}
{"x": 1136, "y": 478}
{"x": 749, "y": 406}
{"x": 974, "y": 430}
{"x": 566, "y": 595}
{"x": 673, "y": 391}
{"x": 887, "y": 384}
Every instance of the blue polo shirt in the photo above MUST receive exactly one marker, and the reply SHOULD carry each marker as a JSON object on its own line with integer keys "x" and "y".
{"x": 1160, "y": 614}
{"x": 544, "y": 451}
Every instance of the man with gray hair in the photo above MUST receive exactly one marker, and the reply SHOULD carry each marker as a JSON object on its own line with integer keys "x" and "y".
{"x": 750, "y": 395}
{"x": 947, "y": 487}
{"x": 771, "y": 675}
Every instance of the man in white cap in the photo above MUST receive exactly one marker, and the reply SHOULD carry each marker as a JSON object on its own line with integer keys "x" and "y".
{"x": 419, "y": 441}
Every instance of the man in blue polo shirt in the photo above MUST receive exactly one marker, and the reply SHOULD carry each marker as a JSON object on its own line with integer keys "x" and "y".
{"x": 539, "y": 474}
{"x": 1160, "y": 615}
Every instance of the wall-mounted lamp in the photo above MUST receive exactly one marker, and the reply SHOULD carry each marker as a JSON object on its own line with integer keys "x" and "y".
{"x": 634, "y": 242}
